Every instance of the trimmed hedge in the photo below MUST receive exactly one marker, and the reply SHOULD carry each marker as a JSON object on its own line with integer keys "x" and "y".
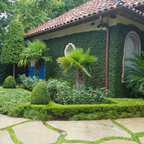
{"x": 118, "y": 107}
{"x": 40, "y": 94}
{"x": 9, "y": 82}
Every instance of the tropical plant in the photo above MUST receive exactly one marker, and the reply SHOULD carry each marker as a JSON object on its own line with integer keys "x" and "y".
{"x": 34, "y": 52}
{"x": 135, "y": 74}
{"x": 13, "y": 44}
{"x": 77, "y": 60}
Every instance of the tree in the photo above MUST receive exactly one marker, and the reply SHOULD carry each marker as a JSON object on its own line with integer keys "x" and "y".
{"x": 33, "y": 13}
{"x": 5, "y": 18}
{"x": 13, "y": 44}
{"x": 34, "y": 52}
{"x": 77, "y": 60}
{"x": 70, "y": 4}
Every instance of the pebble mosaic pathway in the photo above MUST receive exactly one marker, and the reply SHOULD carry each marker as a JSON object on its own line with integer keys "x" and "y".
{"x": 24, "y": 131}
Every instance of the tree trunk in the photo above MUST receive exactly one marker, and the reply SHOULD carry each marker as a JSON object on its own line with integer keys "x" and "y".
{"x": 14, "y": 70}
{"x": 79, "y": 78}
{"x": 36, "y": 69}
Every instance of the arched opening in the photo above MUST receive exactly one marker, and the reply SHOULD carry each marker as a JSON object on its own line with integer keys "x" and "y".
{"x": 132, "y": 46}
{"x": 69, "y": 47}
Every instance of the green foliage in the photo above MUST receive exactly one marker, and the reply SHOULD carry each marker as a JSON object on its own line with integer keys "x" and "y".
{"x": 10, "y": 99}
{"x": 40, "y": 94}
{"x": 5, "y": 7}
{"x": 70, "y": 4}
{"x": 34, "y": 52}
{"x": 95, "y": 40}
{"x": 61, "y": 92}
{"x": 9, "y": 82}
{"x": 135, "y": 74}
{"x": 52, "y": 87}
{"x": 36, "y": 12}
{"x": 76, "y": 59}
{"x": 27, "y": 82}
{"x": 13, "y": 44}
{"x": 120, "y": 108}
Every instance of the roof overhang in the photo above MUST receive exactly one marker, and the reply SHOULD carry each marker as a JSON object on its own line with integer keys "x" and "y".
{"x": 132, "y": 14}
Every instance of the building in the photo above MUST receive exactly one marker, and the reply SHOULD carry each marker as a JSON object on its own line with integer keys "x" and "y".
{"x": 112, "y": 29}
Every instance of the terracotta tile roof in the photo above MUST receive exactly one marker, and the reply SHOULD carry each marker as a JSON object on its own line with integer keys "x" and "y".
{"x": 85, "y": 10}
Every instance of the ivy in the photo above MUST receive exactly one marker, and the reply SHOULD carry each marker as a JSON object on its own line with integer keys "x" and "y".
{"x": 96, "y": 41}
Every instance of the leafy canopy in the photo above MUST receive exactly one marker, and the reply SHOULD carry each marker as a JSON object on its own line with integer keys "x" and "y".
{"x": 76, "y": 59}
{"x": 34, "y": 52}
{"x": 13, "y": 44}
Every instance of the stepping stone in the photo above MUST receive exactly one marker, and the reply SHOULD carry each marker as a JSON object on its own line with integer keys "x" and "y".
{"x": 5, "y": 138}
{"x": 35, "y": 133}
{"x": 89, "y": 130}
{"x": 135, "y": 125}
{"x": 119, "y": 142}
{"x": 142, "y": 140}
{"x": 6, "y": 121}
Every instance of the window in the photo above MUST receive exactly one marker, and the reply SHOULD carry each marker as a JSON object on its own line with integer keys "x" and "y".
{"x": 132, "y": 45}
{"x": 69, "y": 47}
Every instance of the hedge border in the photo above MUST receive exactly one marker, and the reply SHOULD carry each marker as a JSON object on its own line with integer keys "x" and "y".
{"x": 67, "y": 111}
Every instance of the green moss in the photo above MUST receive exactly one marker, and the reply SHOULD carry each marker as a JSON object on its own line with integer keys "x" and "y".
{"x": 9, "y": 82}
{"x": 40, "y": 94}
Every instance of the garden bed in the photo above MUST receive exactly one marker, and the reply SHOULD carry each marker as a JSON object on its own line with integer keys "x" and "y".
{"x": 16, "y": 102}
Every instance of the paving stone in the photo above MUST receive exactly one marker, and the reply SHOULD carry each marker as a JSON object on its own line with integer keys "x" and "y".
{"x": 134, "y": 124}
{"x": 5, "y": 138}
{"x": 89, "y": 130}
{"x": 119, "y": 142}
{"x": 6, "y": 121}
{"x": 142, "y": 140}
{"x": 35, "y": 133}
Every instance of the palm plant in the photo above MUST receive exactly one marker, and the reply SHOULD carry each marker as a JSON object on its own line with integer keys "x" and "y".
{"x": 135, "y": 74}
{"x": 34, "y": 52}
{"x": 77, "y": 60}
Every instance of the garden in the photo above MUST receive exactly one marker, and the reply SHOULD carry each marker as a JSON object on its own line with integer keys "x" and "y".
{"x": 69, "y": 98}
{"x": 60, "y": 99}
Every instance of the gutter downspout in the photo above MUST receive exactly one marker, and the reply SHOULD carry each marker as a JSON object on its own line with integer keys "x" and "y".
{"x": 103, "y": 24}
{"x": 107, "y": 58}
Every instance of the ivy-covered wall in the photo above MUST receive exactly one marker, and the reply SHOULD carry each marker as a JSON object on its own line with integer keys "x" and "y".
{"x": 118, "y": 35}
{"x": 96, "y": 41}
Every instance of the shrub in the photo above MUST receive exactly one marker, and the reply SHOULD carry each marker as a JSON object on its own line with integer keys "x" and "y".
{"x": 120, "y": 108}
{"x": 135, "y": 75}
{"x": 9, "y": 82}
{"x": 27, "y": 82}
{"x": 40, "y": 94}
{"x": 61, "y": 92}
{"x": 52, "y": 87}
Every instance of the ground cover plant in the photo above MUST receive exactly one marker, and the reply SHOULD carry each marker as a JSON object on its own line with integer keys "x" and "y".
{"x": 10, "y": 99}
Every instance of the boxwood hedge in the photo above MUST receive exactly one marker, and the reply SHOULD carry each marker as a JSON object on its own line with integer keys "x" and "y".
{"x": 117, "y": 109}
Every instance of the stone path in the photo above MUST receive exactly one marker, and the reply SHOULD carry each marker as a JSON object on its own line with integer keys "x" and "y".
{"x": 24, "y": 131}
